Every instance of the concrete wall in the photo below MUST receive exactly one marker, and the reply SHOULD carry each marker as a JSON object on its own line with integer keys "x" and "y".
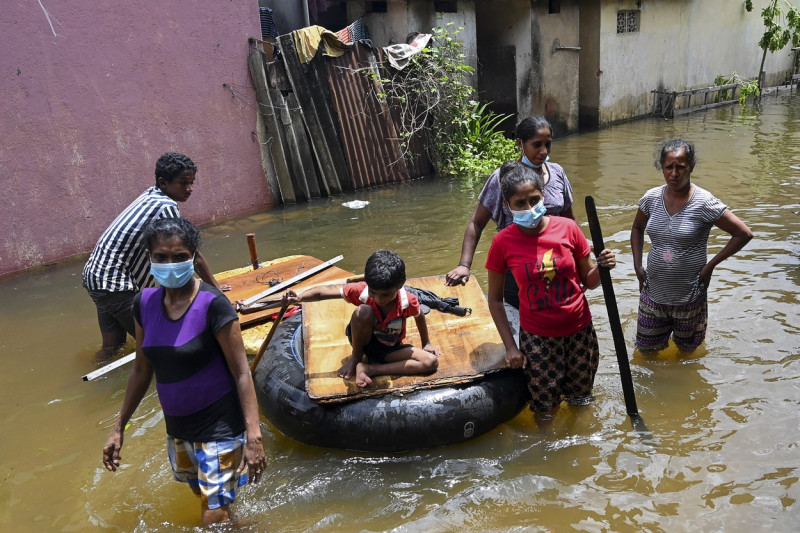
{"x": 405, "y": 16}
{"x": 546, "y": 82}
{"x": 555, "y": 93}
{"x": 93, "y": 93}
{"x": 681, "y": 44}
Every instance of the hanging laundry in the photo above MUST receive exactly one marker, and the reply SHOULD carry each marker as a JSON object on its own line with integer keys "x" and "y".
{"x": 358, "y": 31}
{"x": 268, "y": 26}
{"x": 400, "y": 54}
{"x": 344, "y": 35}
{"x": 307, "y": 41}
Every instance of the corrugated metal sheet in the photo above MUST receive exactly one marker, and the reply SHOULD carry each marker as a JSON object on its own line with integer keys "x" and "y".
{"x": 349, "y": 130}
{"x": 368, "y": 134}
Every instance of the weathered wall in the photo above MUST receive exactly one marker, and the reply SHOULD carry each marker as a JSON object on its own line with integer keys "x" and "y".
{"x": 504, "y": 38}
{"x": 589, "y": 70}
{"x": 555, "y": 95}
{"x": 681, "y": 44}
{"x": 405, "y": 16}
{"x": 546, "y": 81}
{"x": 94, "y": 92}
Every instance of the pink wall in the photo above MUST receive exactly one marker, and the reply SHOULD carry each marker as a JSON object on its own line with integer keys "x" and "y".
{"x": 88, "y": 105}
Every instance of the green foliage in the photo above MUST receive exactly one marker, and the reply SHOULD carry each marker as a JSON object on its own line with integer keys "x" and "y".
{"x": 476, "y": 146}
{"x": 434, "y": 100}
{"x": 779, "y": 29}
{"x": 747, "y": 87}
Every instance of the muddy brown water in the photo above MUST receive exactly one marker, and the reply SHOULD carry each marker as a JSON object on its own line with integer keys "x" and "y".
{"x": 723, "y": 455}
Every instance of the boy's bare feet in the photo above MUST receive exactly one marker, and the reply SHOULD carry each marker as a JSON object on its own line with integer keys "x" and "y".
{"x": 362, "y": 379}
{"x": 348, "y": 368}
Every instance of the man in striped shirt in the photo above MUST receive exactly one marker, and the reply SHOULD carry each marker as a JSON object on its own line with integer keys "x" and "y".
{"x": 119, "y": 267}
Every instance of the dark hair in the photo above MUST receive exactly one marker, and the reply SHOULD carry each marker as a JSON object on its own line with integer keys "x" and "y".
{"x": 675, "y": 145}
{"x": 165, "y": 228}
{"x": 513, "y": 174}
{"x": 385, "y": 270}
{"x": 530, "y": 126}
{"x": 172, "y": 164}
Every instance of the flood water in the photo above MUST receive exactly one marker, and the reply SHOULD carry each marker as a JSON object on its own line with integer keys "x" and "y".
{"x": 723, "y": 454}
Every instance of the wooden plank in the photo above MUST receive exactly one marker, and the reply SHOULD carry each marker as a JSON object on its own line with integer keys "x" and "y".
{"x": 292, "y": 281}
{"x": 250, "y": 283}
{"x": 267, "y": 109}
{"x": 307, "y": 91}
{"x": 470, "y": 345}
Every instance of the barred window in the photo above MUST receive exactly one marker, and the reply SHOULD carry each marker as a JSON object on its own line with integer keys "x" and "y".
{"x": 628, "y": 21}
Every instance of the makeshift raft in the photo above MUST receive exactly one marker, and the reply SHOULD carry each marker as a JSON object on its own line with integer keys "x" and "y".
{"x": 300, "y": 393}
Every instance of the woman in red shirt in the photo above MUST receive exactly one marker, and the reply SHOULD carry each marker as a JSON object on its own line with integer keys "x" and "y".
{"x": 549, "y": 259}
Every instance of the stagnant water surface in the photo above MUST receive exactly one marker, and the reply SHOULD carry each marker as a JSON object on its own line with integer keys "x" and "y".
{"x": 723, "y": 454}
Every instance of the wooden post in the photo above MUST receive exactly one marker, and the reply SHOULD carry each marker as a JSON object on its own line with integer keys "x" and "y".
{"x": 284, "y": 186}
{"x": 251, "y": 244}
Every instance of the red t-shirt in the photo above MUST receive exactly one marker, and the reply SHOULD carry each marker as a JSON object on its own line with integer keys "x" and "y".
{"x": 544, "y": 265}
{"x": 391, "y": 329}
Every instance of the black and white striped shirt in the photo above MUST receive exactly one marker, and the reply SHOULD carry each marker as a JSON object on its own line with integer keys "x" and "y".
{"x": 679, "y": 244}
{"x": 119, "y": 262}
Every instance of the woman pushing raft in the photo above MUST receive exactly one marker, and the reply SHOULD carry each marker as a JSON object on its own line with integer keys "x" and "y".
{"x": 534, "y": 138}
{"x": 678, "y": 217}
{"x": 549, "y": 259}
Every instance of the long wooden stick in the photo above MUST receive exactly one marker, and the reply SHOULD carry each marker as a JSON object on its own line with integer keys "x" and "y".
{"x": 291, "y": 281}
{"x": 264, "y": 344}
{"x": 613, "y": 318}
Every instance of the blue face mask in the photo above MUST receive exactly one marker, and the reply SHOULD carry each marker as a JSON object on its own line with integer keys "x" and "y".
{"x": 526, "y": 161}
{"x": 173, "y": 275}
{"x": 530, "y": 218}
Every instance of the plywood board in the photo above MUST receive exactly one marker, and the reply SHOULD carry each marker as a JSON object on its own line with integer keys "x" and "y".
{"x": 251, "y": 282}
{"x": 470, "y": 345}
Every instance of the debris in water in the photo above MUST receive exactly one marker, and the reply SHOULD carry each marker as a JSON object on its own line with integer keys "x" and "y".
{"x": 356, "y": 204}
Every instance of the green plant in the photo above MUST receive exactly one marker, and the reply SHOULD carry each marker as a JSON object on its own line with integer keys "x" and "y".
{"x": 433, "y": 101}
{"x": 747, "y": 87}
{"x": 779, "y": 30}
{"x": 475, "y": 139}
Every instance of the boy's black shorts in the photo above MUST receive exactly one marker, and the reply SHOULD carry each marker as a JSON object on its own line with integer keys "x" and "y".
{"x": 375, "y": 350}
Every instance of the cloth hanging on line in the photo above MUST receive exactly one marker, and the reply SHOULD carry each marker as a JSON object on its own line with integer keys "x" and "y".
{"x": 268, "y": 26}
{"x": 400, "y": 54}
{"x": 307, "y": 41}
{"x": 357, "y": 31}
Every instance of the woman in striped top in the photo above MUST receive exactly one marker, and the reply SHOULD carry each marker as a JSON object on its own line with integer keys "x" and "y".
{"x": 678, "y": 217}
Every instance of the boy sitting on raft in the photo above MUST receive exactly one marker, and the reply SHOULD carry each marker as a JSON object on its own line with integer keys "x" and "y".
{"x": 378, "y": 325}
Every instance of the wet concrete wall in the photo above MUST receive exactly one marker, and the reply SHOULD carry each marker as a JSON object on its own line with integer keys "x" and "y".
{"x": 93, "y": 93}
{"x": 403, "y": 17}
{"x": 681, "y": 44}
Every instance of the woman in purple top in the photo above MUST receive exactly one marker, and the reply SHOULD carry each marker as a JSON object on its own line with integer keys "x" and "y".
{"x": 534, "y": 138}
{"x": 188, "y": 335}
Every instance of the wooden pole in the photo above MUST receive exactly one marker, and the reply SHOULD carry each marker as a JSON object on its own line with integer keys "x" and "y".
{"x": 613, "y": 318}
{"x": 251, "y": 244}
{"x": 264, "y": 344}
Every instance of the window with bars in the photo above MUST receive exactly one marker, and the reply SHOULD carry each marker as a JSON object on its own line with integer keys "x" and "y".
{"x": 628, "y": 21}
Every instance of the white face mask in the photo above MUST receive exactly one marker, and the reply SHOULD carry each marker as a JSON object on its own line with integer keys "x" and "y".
{"x": 530, "y": 218}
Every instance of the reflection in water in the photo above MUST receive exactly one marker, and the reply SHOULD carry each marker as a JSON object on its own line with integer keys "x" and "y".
{"x": 724, "y": 449}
